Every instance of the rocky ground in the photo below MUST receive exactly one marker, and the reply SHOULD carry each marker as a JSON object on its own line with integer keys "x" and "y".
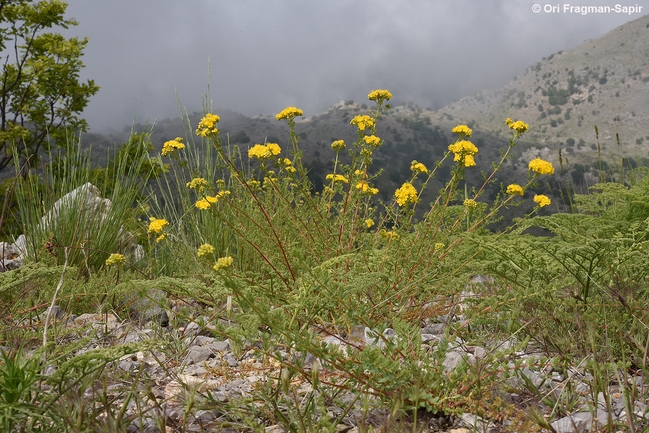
{"x": 190, "y": 387}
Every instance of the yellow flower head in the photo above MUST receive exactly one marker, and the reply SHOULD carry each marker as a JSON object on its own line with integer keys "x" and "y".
{"x": 407, "y": 193}
{"x": 464, "y": 151}
{"x": 514, "y": 189}
{"x": 469, "y": 161}
{"x": 364, "y": 187}
{"x": 372, "y": 140}
{"x": 259, "y": 151}
{"x": 172, "y": 145}
{"x": 462, "y": 131}
{"x": 439, "y": 246}
{"x": 541, "y": 167}
{"x": 363, "y": 122}
{"x": 198, "y": 183}
{"x": 205, "y": 249}
{"x": 338, "y": 145}
{"x": 274, "y": 148}
{"x": 253, "y": 184}
{"x": 157, "y": 225}
{"x": 287, "y": 163}
{"x": 223, "y": 263}
{"x": 518, "y": 126}
{"x": 207, "y": 125}
{"x": 289, "y": 113}
{"x": 542, "y": 200}
{"x": 114, "y": 259}
{"x": 470, "y": 204}
{"x": 461, "y": 148}
{"x": 390, "y": 234}
{"x": 369, "y": 223}
{"x": 161, "y": 237}
{"x": 418, "y": 167}
{"x": 337, "y": 178}
{"x": 206, "y": 202}
{"x": 379, "y": 95}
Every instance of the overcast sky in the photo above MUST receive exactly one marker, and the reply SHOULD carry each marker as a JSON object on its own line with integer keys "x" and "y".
{"x": 268, "y": 54}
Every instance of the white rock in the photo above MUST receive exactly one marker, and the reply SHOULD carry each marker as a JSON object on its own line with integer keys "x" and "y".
{"x": 579, "y": 422}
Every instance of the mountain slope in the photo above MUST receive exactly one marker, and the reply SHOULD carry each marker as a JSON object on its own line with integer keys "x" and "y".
{"x": 602, "y": 82}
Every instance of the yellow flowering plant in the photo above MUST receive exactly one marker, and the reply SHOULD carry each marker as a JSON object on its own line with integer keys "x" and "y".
{"x": 293, "y": 250}
{"x": 207, "y": 125}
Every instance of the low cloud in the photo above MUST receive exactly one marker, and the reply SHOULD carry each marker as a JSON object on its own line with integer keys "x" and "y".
{"x": 263, "y": 56}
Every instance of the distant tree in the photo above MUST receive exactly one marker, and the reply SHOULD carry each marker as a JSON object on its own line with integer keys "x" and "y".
{"x": 41, "y": 94}
{"x": 557, "y": 96}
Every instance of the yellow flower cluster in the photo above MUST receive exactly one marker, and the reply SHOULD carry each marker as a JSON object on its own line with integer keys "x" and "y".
{"x": 208, "y": 201}
{"x": 223, "y": 263}
{"x": 363, "y": 122}
{"x": 439, "y": 246}
{"x": 372, "y": 140}
{"x": 518, "y": 126}
{"x": 337, "y": 178}
{"x": 542, "y": 200}
{"x": 253, "y": 184}
{"x": 274, "y": 148}
{"x": 514, "y": 189}
{"x": 263, "y": 151}
{"x": 541, "y": 166}
{"x": 390, "y": 234}
{"x": 205, "y": 202}
{"x": 369, "y": 223}
{"x": 338, "y": 145}
{"x": 407, "y": 193}
{"x": 364, "y": 187}
{"x": 156, "y": 225}
{"x": 207, "y": 125}
{"x": 462, "y": 131}
{"x": 464, "y": 151}
{"x": 205, "y": 249}
{"x": 470, "y": 204}
{"x": 114, "y": 259}
{"x": 198, "y": 183}
{"x": 172, "y": 145}
{"x": 289, "y": 113}
{"x": 288, "y": 164}
{"x": 379, "y": 95}
{"x": 418, "y": 167}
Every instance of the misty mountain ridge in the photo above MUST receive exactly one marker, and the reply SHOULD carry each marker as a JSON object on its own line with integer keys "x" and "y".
{"x": 602, "y": 82}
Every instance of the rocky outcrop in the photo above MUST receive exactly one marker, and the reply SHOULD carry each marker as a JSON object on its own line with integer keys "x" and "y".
{"x": 86, "y": 199}
{"x": 9, "y": 257}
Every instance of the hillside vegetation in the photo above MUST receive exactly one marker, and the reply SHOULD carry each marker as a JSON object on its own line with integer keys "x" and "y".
{"x": 256, "y": 303}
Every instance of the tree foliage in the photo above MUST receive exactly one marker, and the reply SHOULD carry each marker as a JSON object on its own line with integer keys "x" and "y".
{"x": 41, "y": 94}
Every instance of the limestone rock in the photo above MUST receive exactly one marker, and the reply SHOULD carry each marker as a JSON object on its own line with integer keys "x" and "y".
{"x": 85, "y": 199}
